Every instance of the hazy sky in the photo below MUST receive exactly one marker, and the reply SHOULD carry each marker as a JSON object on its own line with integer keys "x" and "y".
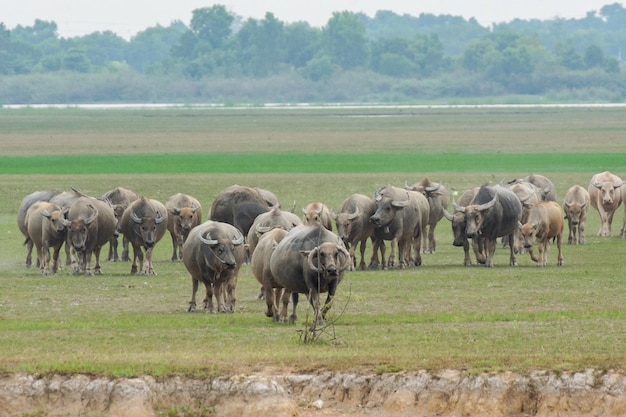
{"x": 127, "y": 17}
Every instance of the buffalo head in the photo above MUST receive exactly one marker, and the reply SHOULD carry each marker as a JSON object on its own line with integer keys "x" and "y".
{"x": 147, "y": 227}
{"x": 328, "y": 259}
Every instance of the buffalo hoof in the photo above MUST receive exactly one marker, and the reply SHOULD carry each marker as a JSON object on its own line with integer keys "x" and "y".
{"x": 191, "y": 309}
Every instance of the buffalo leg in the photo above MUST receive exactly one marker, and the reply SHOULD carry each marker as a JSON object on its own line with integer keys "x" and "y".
{"x": 194, "y": 289}
{"x": 512, "y": 260}
{"x": 294, "y": 300}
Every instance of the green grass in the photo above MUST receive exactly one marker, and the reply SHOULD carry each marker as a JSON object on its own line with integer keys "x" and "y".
{"x": 309, "y": 163}
{"x": 440, "y": 315}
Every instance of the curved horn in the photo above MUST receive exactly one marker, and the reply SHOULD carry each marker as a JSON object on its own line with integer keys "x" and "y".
{"x": 263, "y": 229}
{"x": 303, "y": 211}
{"x": 159, "y": 218}
{"x": 568, "y": 204}
{"x": 400, "y": 203}
{"x": 377, "y": 195}
{"x": 447, "y": 215}
{"x": 313, "y": 254}
{"x": 406, "y": 186}
{"x": 432, "y": 188}
{"x": 458, "y": 208}
{"x": 93, "y": 217}
{"x": 135, "y": 218}
{"x": 333, "y": 215}
{"x": 319, "y": 210}
{"x": 354, "y": 215}
{"x": 207, "y": 240}
{"x": 486, "y": 206}
{"x": 597, "y": 185}
{"x": 238, "y": 240}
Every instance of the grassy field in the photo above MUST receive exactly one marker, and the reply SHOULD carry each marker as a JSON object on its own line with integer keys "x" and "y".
{"x": 439, "y": 315}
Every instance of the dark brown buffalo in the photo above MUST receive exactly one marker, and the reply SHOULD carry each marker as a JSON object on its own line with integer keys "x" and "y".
{"x": 184, "y": 213}
{"x": 545, "y": 222}
{"x": 28, "y": 201}
{"x": 576, "y": 206}
{"x": 354, "y": 226}
{"x": 272, "y": 291}
{"x": 240, "y": 205}
{"x": 90, "y": 224}
{"x": 213, "y": 254}
{"x": 144, "y": 223}
{"x": 317, "y": 212}
{"x": 459, "y": 224}
{"x": 400, "y": 217}
{"x": 438, "y": 200}
{"x": 310, "y": 260}
{"x": 120, "y": 198}
{"x": 494, "y": 212}
{"x": 46, "y": 230}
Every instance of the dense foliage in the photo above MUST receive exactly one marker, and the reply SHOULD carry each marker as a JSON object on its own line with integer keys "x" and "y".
{"x": 220, "y": 57}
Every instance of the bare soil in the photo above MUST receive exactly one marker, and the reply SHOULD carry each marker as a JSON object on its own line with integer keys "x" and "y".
{"x": 447, "y": 393}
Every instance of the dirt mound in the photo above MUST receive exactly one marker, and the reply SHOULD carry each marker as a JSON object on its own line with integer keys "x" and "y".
{"x": 448, "y": 393}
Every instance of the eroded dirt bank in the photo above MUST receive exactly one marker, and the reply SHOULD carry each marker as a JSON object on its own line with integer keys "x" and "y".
{"x": 448, "y": 393}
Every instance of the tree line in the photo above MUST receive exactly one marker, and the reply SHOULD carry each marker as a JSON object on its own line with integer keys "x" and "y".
{"x": 387, "y": 57}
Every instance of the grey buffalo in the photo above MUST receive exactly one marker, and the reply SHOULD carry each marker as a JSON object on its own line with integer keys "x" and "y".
{"x": 272, "y": 291}
{"x": 544, "y": 185}
{"x": 354, "y": 226}
{"x": 184, "y": 213}
{"x": 213, "y": 254}
{"x": 275, "y": 218}
{"x": 28, "y": 201}
{"x": 90, "y": 224}
{"x": 240, "y": 205}
{"x": 46, "y": 230}
{"x": 438, "y": 200}
{"x": 310, "y": 260}
{"x": 144, "y": 223}
{"x": 120, "y": 198}
{"x": 459, "y": 226}
{"x": 494, "y": 212}
{"x": 576, "y": 206}
{"x": 400, "y": 217}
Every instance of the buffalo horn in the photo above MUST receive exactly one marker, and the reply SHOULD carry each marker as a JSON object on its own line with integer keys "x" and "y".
{"x": 486, "y": 206}
{"x": 93, "y": 217}
{"x": 159, "y": 218}
{"x": 568, "y": 204}
{"x": 377, "y": 195}
{"x": 400, "y": 203}
{"x": 433, "y": 188}
{"x": 310, "y": 257}
{"x": 263, "y": 229}
{"x": 447, "y": 215}
{"x": 135, "y": 218}
{"x": 354, "y": 215}
{"x": 333, "y": 215}
{"x": 238, "y": 240}
{"x": 207, "y": 240}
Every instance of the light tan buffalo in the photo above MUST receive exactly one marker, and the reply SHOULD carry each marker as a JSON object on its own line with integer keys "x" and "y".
{"x": 545, "y": 222}
{"x": 184, "y": 213}
{"x": 317, "y": 212}
{"x": 28, "y": 201}
{"x": 576, "y": 205}
{"x": 46, "y": 230}
{"x": 353, "y": 224}
{"x": 605, "y": 193}
{"x": 120, "y": 198}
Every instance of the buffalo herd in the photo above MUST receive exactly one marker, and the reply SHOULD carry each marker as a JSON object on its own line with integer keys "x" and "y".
{"x": 291, "y": 254}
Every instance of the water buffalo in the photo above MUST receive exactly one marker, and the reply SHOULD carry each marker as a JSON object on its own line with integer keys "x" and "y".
{"x": 28, "y": 201}
{"x": 184, "y": 213}
{"x": 240, "y": 205}
{"x": 544, "y": 185}
{"x": 494, "y": 212}
{"x": 353, "y": 224}
{"x": 275, "y": 218}
{"x": 65, "y": 200}
{"x": 120, "y": 198}
{"x": 576, "y": 206}
{"x": 438, "y": 200}
{"x": 400, "y": 217}
{"x": 545, "y": 222}
{"x": 46, "y": 230}
{"x": 144, "y": 223}
{"x": 213, "y": 254}
{"x": 260, "y": 261}
{"x": 528, "y": 195}
{"x": 90, "y": 224}
{"x": 310, "y": 260}
{"x": 317, "y": 212}
{"x": 459, "y": 224}
{"x": 605, "y": 194}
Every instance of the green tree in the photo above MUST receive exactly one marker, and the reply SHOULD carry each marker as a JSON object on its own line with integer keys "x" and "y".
{"x": 75, "y": 59}
{"x": 344, "y": 41}
{"x": 209, "y": 29}
{"x": 153, "y": 45}
{"x": 594, "y": 57}
{"x": 302, "y": 42}
{"x": 262, "y": 45}
{"x": 320, "y": 68}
